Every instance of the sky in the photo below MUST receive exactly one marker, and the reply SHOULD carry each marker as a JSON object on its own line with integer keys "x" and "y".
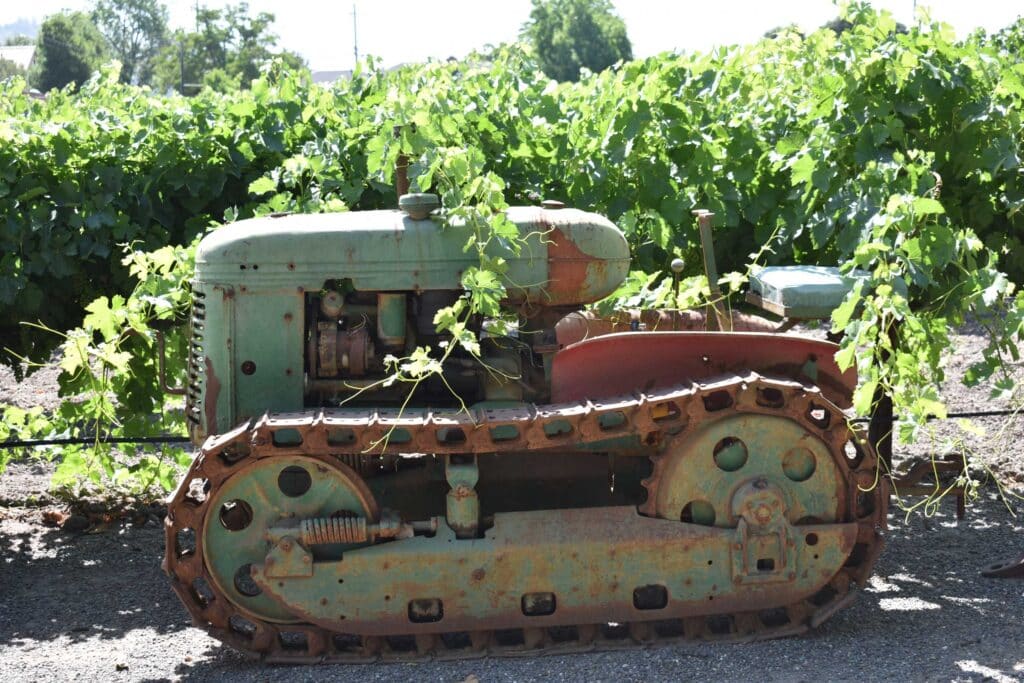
{"x": 400, "y": 31}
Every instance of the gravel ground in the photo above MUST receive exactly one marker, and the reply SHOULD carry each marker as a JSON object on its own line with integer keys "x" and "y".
{"x": 96, "y": 606}
{"x": 93, "y": 604}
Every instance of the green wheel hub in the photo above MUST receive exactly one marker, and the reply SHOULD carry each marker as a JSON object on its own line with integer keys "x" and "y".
{"x": 255, "y": 498}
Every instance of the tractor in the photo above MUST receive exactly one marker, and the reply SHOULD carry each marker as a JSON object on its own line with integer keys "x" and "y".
{"x": 585, "y": 481}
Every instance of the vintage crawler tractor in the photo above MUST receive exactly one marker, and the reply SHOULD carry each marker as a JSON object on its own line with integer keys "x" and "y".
{"x": 609, "y": 481}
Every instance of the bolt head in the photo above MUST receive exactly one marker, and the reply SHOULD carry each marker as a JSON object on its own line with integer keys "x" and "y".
{"x": 763, "y": 514}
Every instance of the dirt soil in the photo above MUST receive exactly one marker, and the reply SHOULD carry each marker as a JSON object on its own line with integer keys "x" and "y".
{"x": 88, "y": 600}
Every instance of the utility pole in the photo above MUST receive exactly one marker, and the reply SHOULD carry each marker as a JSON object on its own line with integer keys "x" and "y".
{"x": 197, "y": 16}
{"x": 355, "y": 37}
{"x": 181, "y": 66}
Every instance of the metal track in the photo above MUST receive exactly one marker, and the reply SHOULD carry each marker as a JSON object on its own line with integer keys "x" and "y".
{"x": 655, "y": 418}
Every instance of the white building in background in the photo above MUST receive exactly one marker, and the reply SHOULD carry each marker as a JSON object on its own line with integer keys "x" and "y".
{"x": 329, "y": 77}
{"x": 21, "y": 55}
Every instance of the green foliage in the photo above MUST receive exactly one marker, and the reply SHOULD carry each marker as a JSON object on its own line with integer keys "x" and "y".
{"x": 135, "y": 31}
{"x": 69, "y": 49}
{"x": 226, "y": 52}
{"x": 569, "y": 35}
{"x": 9, "y": 69}
{"x": 19, "y": 39}
{"x": 83, "y": 173}
{"x": 894, "y": 152}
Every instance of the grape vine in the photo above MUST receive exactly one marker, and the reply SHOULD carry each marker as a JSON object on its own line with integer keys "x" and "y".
{"x": 894, "y": 152}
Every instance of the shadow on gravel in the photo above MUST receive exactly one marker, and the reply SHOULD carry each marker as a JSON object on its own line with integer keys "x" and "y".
{"x": 927, "y": 614}
{"x": 930, "y": 597}
{"x": 83, "y": 586}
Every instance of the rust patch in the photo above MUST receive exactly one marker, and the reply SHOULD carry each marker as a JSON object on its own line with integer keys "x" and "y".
{"x": 210, "y": 400}
{"x": 567, "y": 269}
{"x": 462, "y": 492}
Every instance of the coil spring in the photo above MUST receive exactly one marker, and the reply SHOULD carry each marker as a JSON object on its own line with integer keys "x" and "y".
{"x": 324, "y": 530}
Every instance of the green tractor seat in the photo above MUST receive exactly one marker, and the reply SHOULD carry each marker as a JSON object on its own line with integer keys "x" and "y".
{"x": 801, "y": 292}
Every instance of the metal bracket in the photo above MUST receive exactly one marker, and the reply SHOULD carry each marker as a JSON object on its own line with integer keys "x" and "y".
{"x": 462, "y": 502}
{"x": 721, "y": 318}
{"x": 288, "y": 558}
{"x": 920, "y": 480}
{"x": 763, "y": 550}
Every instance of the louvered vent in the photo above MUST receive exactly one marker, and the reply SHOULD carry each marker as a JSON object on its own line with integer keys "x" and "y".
{"x": 196, "y": 361}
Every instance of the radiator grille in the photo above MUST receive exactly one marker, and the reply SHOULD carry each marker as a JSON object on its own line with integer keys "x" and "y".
{"x": 196, "y": 361}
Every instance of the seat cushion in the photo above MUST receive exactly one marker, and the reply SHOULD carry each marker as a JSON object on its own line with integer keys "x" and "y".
{"x": 802, "y": 292}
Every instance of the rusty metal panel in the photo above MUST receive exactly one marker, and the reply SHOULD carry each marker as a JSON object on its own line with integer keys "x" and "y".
{"x": 592, "y": 561}
{"x": 617, "y": 364}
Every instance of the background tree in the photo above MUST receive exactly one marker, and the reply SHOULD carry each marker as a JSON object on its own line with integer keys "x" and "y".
{"x": 225, "y": 53}
{"x": 69, "y": 48}
{"x": 774, "y": 33}
{"x": 20, "y": 39}
{"x": 9, "y": 69}
{"x": 135, "y": 31}
{"x": 841, "y": 25}
{"x": 567, "y": 35}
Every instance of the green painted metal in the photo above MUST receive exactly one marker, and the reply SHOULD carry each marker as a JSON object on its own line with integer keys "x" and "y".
{"x": 592, "y": 560}
{"x": 419, "y": 204}
{"x": 462, "y": 502}
{"x": 257, "y": 490}
{"x": 704, "y": 470}
{"x": 390, "y": 251}
{"x": 254, "y": 276}
{"x": 802, "y": 292}
{"x": 391, "y": 318}
{"x": 288, "y": 558}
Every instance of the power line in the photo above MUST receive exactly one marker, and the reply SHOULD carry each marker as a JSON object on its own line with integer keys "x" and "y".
{"x": 355, "y": 37}
{"x": 85, "y": 441}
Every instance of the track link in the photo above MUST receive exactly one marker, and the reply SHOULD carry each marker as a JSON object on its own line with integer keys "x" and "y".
{"x": 342, "y": 436}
